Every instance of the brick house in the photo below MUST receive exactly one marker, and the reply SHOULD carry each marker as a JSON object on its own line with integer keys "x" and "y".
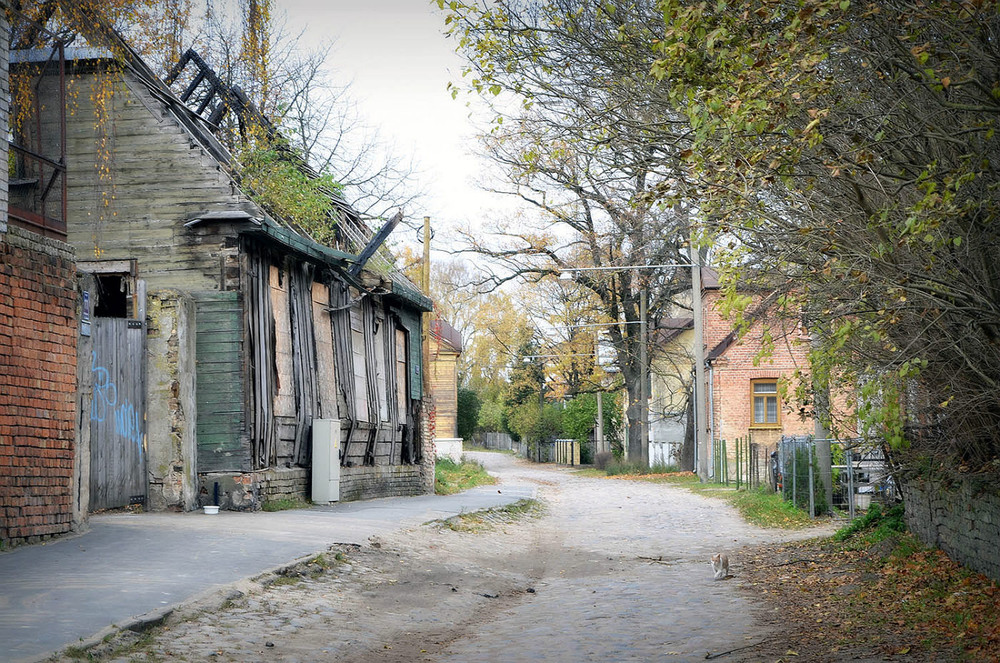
{"x": 38, "y": 334}
{"x": 213, "y": 332}
{"x": 744, "y": 390}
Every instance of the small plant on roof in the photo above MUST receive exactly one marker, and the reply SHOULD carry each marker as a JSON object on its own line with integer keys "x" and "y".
{"x": 275, "y": 178}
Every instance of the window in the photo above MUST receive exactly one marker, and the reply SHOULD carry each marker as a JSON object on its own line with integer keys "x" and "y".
{"x": 765, "y": 402}
{"x": 402, "y": 392}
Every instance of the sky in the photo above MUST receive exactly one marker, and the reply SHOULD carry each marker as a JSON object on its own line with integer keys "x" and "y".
{"x": 399, "y": 63}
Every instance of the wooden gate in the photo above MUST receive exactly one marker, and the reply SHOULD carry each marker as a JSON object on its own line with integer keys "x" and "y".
{"x": 117, "y": 414}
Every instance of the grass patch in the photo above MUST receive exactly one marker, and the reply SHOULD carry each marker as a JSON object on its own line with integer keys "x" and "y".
{"x": 875, "y": 526}
{"x": 451, "y": 477}
{"x": 764, "y": 508}
{"x": 637, "y": 469}
{"x": 284, "y": 504}
{"x": 490, "y": 519}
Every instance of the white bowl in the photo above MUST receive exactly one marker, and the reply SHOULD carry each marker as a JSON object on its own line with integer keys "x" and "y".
{"x": 210, "y": 510}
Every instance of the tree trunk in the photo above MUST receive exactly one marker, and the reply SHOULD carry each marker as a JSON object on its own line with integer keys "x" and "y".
{"x": 633, "y": 416}
{"x": 686, "y": 460}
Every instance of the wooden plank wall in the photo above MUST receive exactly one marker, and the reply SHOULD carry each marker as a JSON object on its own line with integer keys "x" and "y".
{"x": 261, "y": 371}
{"x": 133, "y": 204}
{"x": 117, "y": 413}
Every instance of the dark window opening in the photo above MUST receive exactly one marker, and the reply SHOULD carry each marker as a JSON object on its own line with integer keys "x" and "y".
{"x": 112, "y": 296}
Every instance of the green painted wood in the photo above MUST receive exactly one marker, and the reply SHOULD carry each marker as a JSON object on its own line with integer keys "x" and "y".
{"x": 411, "y": 321}
{"x": 221, "y": 411}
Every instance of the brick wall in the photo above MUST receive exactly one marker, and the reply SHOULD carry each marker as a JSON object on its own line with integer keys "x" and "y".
{"x": 38, "y": 333}
{"x": 962, "y": 518}
{"x": 733, "y": 371}
{"x": 4, "y": 112}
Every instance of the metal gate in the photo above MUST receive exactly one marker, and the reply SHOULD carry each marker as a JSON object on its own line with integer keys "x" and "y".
{"x": 117, "y": 414}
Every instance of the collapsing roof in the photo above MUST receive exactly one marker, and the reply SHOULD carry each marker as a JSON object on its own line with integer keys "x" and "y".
{"x": 201, "y": 123}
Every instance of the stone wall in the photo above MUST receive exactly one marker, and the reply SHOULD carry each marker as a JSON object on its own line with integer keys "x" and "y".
{"x": 38, "y": 334}
{"x": 961, "y": 517}
{"x": 289, "y": 483}
{"x": 170, "y": 401}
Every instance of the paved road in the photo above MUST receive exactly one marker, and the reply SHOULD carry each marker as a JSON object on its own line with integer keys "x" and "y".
{"x": 55, "y": 594}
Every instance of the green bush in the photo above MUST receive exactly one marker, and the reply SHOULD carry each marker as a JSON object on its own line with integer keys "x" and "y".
{"x": 875, "y": 525}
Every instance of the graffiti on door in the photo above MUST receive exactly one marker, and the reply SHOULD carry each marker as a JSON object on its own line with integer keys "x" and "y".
{"x": 127, "y": 418}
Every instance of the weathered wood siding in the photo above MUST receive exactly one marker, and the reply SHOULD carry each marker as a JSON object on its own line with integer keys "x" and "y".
{"x": 117, "y": 414}
{"x": 325, "y": 366}
{"x": 284, "y": 400}
{"x": 443, "y": 383}
{"x": 134, "y": 177}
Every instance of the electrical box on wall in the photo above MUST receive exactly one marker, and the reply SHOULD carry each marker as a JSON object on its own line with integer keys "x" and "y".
{"x": 325, "y": 461}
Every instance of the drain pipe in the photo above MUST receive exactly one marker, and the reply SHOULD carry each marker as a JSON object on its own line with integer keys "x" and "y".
{"x": 711, "y": 409}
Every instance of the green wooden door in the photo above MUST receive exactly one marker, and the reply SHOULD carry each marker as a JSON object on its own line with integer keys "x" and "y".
{"x": 221, "y": 412}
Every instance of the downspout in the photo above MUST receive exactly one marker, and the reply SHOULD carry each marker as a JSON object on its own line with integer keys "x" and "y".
{"x": 711, "y": 410}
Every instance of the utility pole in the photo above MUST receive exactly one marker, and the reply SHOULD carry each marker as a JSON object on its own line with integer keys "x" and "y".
{"x": 425, "y": 319}
{"x": 599, "y": 438}
{"x": 700, "y": 431}
{"x": 644, "y": 378}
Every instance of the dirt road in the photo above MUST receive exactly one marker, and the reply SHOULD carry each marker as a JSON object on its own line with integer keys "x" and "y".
{"x": 613, "y": 571}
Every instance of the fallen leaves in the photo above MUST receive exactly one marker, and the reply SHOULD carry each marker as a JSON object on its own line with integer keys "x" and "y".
{"x": 832, "y": 603}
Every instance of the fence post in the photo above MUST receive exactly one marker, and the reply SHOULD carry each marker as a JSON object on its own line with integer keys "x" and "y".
{"x": 725, "y": 463}
{"x": 795, "y": 458}
{"x": 739, "y": 447}
{"x": 849, "y": 457}
{"x": 812, "y": 496}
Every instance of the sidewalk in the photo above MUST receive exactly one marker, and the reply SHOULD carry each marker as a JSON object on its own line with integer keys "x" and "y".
{"x": 55, "y": 594}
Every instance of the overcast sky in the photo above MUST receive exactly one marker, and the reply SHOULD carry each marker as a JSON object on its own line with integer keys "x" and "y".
{"x": 399, "y": 64}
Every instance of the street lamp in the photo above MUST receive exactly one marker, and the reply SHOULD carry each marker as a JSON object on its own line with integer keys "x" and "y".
{"x": 566, "y": 274}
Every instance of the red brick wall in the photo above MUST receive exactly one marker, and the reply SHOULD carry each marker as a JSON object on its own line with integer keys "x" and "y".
{"x": 37, "y": 386}
{"x": 733, "y": 371}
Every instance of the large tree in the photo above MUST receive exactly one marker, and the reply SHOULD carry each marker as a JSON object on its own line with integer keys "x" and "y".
{"x": 849, "y": 153}
{"x": 579, "y": 135}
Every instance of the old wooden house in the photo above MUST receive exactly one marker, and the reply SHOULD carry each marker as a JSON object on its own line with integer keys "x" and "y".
{"x": 445, "y": 347}
{"x": 215, "y": 334}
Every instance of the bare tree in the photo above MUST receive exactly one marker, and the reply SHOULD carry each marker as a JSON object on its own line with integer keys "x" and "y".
{"x": 573, "y": 138}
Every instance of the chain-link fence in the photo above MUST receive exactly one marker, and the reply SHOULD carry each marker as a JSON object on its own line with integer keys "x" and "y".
{"x": 860, "y": 474}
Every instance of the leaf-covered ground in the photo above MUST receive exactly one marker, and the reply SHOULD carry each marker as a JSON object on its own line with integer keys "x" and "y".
{"x": 888, "y": 601}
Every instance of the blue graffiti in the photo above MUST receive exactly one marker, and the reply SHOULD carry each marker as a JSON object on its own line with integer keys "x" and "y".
{"x": 128, "y": 421}
{"x": 105, "y": 392}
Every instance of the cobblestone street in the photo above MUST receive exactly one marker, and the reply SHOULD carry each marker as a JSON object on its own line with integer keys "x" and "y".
{"x": 614, "y": 571}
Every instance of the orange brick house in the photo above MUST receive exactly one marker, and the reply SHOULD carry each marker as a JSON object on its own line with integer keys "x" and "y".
{"x": 745, "y": 387}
